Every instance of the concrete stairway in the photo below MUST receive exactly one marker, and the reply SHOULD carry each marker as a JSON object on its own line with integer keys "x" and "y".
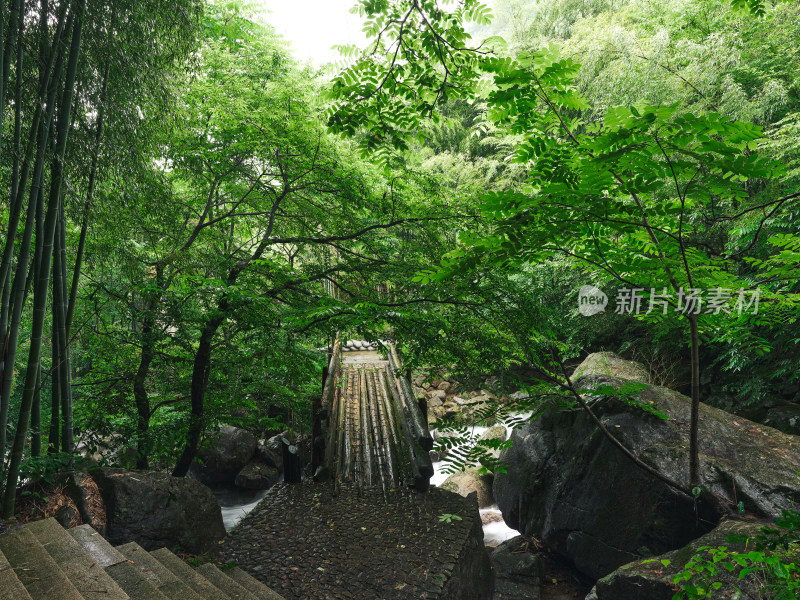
{"x": 44, "y": 561}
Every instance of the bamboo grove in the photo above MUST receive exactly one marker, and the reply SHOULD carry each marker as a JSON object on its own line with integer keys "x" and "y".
{"x": 66, "y": 69}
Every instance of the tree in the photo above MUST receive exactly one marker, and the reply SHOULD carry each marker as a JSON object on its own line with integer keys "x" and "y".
{"x": 598, "y": 177}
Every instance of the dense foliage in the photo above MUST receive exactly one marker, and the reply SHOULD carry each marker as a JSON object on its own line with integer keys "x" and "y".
{"x": 191, "y": 215}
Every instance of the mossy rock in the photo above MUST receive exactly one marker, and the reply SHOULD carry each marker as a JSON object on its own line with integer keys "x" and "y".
{"x": 611, "y": 365}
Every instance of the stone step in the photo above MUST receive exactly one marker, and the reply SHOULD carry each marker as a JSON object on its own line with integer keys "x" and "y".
{"x": 253, "y": 585}
{"x": 103, "y": 553}
{"x": 86, "y": 575}
{"x": 11, "y": 587}
{"x": 225, "y": 583}
{"x": 160, "y": 576}
{"x": 195, "y": 580}
{"x": 130, "y": 579}
{"x": 35, "y": 568}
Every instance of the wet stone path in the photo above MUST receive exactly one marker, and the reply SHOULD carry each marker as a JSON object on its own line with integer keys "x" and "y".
{"x": 307, "y": 541}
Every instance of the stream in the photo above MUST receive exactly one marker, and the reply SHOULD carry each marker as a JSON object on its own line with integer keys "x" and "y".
{"x": 237, "y": 502}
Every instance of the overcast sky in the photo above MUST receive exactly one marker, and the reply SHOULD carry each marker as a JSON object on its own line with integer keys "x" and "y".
{"x": 313, "y": 26}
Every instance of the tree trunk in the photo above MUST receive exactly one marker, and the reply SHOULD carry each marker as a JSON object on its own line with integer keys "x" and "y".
{"x": 54, "y": 436}
{"x": 140, "y": 391}
{"x": 62, "y": 366}
{"x": 202, "y": 358}
{"x": 36, "y": 416}
{"x": 200, "y": 370}
{"x": 694, "y": 422}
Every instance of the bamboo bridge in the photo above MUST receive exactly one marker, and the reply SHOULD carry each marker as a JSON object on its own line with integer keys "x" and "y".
{"x": 370, "y": 524}
{"x": 368, "y": 428}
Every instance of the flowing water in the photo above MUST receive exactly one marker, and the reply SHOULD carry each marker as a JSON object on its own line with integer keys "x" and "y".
{"x": 236, "y": 503}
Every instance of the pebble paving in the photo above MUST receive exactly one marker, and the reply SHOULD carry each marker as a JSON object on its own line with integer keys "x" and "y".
{"x": 314, "y": 541}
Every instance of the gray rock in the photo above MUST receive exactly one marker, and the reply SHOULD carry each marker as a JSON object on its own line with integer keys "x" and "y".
{"x": 155, "y": 510}
{"x": 302, "y": 442}
{"x": 517, "y": 571}
{"x": 440, "y": 394}
{"x": 224, "y": 455}
{"x": 451, "y": 409}
{"x": 269, "y": 456}
{"x": 437, "y": 455}
{"x": 497, "y": 432}
{"x": 513, "y": 559}
{"x": 651, "y": 579}
{"x": 475, "y": 405}
{"x": 257, "y": 475}
{"x": 785, "y": 418}
{"x": 468, "y": 481}
{"x": 491, "y": 516}
{"x": 444, "y": 386}
{"x": 568, "y": 486}
{"x": 433, "y": 402}
{"x": 67, "y": 515}
{"x": 608, "y": 363}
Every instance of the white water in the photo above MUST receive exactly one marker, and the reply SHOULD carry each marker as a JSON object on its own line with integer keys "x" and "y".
{"x": 236, "y": 503}
{"x": 493, "y": 533}
{"x": 496, "y": 533}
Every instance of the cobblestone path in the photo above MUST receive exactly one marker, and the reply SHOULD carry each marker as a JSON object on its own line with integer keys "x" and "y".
{"x": 312, "y": 542}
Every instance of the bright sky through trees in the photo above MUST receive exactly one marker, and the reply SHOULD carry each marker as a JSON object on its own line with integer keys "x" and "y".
{"x": 313, "y": 26}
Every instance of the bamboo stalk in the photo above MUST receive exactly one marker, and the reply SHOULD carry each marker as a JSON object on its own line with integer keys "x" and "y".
{"x": 365, "y": 437}
{"x": 59, "y": 308}
{"x": 355, "y": 412}
{"x": 377, "y": 438}
{"x": 348, "y": 418}
{"x": 420, "y": 424}
{"x": 419, "y": 480}
{"x": 390, "y": 435}
{"x": 340, "y": 413}
{"x": 330, "y": 447}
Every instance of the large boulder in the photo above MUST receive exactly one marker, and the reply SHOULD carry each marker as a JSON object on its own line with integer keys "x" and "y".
{"x": 155, "y": 510}
{"x": 267, "y": 455}
{"x": 257, "y": 475}
{"x": 570, "y": 487}
{"x": 472, "y": 408}
{"x": 496, "y": 432}
{"x": 226, "y": 453}
{"x": 652, "y": 579}
{"x": 608, "y": 363}
{"x": 468, "y": 481}
{"x": 785, "y": 417}
{"x": 518, "y": 571}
